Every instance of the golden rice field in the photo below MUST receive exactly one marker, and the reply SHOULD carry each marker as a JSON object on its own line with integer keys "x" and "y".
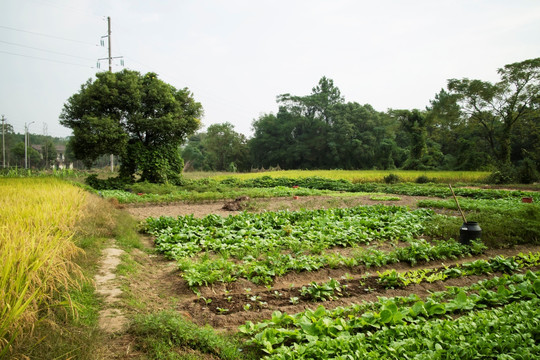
{"x": 354, "y": 175}
{"x": 37, "y": 218}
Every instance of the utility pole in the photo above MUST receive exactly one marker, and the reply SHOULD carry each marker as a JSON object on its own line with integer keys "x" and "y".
{"x": 3, "y": 142}
{"x": 25, "y": 146}
{"x": 109, "y": 40}
{"x": 109, "y": 58}
{"x": 45, "y": 148}
{"x": 26, "y": 143}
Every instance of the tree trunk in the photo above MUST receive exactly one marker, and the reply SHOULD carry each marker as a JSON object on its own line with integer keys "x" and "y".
{"x": 506, "y": 147}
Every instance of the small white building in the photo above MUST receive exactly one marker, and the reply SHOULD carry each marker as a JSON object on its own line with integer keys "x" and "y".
{"x": 60, "y": 161}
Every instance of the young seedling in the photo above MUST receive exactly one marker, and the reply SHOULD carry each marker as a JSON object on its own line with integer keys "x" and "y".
{"x": 206, "y": 301}
{"x": 347, "y": 276}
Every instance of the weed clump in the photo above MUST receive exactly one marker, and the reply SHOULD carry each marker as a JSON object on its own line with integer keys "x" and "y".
{"x": 392, "y": 179}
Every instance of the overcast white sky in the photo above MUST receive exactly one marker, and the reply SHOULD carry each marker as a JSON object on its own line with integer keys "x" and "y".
{"x": 236, "y": 56}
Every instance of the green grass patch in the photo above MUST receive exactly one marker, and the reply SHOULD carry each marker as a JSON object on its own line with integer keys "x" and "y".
{"x": 384, "y": 198}
{"x": 167, "y": 335}
{"x": 126, "y": 234}
{"x": 502, "y": 226}
{"x": 127, "y": 266}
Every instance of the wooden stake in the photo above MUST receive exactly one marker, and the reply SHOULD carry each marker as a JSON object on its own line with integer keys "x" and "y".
{"x": 457, "y": 203}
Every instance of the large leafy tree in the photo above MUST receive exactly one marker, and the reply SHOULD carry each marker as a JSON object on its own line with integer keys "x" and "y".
{"x": 273, "y": 141}
{"x": 194, "y": 153}
{"x": 423, "y": 152}
{"x": 298, "y": 136}
{"x": 220, "y": 148}
{"x": 138, "y": 117}
{"x": 227, "y": 150}
{"x": 315, "y": 116}
{"x": 461, "y": 141}
{"x": 499, "y": 107}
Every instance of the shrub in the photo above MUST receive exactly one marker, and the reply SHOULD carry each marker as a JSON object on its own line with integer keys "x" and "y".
{"x": 527, "y": 173}
{"x": 392, "y": 179}
{"x": 112, "y": 183}
{"x": 422, "y": 179}
{"x": 505, "y": 174}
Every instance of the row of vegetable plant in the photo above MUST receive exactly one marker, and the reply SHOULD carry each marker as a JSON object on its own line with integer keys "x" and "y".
{"x": 298, "y": 231}
{"x": 208, "y": 270}
{"x": 409, "y": 327}
{"x": 260, "y": 247}
{"x": 492, "y": 205}
{"x": 393, "y": 279}
{"x": 265, "y": 186}
{"x": 430, "y": 189}
{"x": 367, "y": 283}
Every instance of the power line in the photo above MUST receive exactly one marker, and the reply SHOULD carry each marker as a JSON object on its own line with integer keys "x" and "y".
{"x": 49, "y": 51}
{"x": 46, "y": 35}
{"x": 45, "y": 59}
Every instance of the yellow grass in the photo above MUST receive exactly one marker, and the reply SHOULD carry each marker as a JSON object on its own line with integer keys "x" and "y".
{"x": 37, "y": 217}
{"x": 354, "y": 175}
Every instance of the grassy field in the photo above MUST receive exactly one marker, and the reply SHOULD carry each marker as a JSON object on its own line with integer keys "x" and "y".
{"x": 354, "y": 176}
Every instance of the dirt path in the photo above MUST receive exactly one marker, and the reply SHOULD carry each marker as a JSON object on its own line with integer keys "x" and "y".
{"x": 111, "y": 318}
{"x": 113, "y": 322}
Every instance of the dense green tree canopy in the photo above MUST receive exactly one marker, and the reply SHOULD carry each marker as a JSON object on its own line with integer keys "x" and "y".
{"x": 322, "y": 131}
{"x": 500, "y": 106}
{"x": 227, "y": 150}
{"x": 138, "y": 117}
{"x": 220, "y": 148}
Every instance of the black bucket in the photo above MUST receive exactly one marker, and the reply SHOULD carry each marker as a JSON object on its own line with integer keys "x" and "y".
{"x": 470, "y": 230}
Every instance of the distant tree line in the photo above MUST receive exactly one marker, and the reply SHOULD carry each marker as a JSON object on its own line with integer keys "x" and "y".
{"x": 470, "y": 125}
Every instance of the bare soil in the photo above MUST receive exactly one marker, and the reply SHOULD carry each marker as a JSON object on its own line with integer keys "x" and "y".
{"x": 142, "y": 211}
{"x": 160, "y": 285}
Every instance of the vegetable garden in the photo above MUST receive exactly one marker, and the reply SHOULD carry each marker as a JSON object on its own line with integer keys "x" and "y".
{"x": 381, "y": 282}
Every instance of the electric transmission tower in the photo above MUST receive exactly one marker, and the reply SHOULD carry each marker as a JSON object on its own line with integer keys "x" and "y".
{"x": 109, "y": 59}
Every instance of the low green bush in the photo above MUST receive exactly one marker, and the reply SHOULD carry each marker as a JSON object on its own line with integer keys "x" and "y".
{"x": 392, "y": 179}
{"x": 112, "y": 183}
